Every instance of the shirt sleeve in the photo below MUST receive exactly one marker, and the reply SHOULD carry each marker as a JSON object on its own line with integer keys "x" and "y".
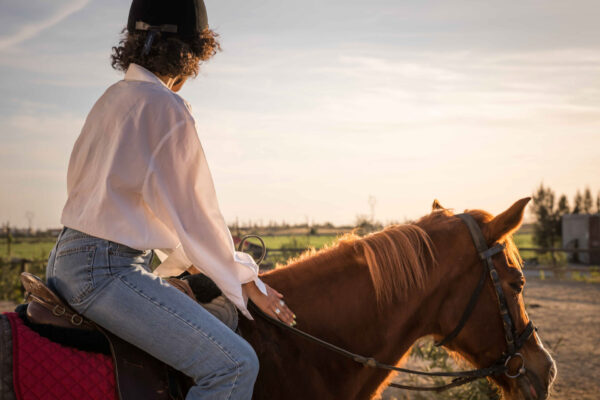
{"x": 179, "y": 189}
{"x": 172, "y": 261}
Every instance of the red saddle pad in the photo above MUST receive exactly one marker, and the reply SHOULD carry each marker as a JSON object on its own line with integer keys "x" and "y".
{"x": 44, "y": 370}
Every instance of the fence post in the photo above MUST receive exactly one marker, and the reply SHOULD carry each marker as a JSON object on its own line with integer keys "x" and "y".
{"x": 22, "y": 269}
{"x": 9, "y": 240}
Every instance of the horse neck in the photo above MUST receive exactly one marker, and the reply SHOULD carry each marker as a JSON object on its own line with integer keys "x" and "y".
{"x": 334, "y": 299}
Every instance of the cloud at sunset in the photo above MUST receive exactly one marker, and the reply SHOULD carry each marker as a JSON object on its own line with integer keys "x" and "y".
{"x": 326, "y": 104}
{"x": 26, "y": 29}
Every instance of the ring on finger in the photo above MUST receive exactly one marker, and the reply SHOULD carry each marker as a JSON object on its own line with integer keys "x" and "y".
{"x": 281, "y": 303}
{"x": 277, "y": 311}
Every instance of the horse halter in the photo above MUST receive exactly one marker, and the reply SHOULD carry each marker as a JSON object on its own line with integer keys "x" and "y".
{"x": 514, "y": 342}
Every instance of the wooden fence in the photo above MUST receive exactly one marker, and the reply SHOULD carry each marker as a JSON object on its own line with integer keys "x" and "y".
{"x": 11, "y": 289}
{"x": 10, "y": 285}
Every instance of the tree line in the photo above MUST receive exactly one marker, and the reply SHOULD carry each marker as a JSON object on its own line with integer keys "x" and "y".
{"x": 548, "y": 212}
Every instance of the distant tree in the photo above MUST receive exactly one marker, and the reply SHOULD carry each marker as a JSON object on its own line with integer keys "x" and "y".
{"x": 563, "y": 205}
{"x": 578, "y": 208}
{"x": 563, "y": 208}
{"x": 588, "y": 203}
{"x": 546, "y": 227}
{"x": 362, "y": 221}
{"x": 366, "y": 225}
{"x": 598, "y": 203}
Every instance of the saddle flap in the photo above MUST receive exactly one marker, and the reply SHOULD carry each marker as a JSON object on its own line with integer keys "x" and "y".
{"x": 38, "y": 314}
{"x": 139, "y": 375}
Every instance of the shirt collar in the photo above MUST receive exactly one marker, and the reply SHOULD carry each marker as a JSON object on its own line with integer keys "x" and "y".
{"x": 136, "y": 72}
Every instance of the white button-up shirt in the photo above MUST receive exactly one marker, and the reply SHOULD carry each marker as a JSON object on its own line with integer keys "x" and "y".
{"x": 138, "y": 176}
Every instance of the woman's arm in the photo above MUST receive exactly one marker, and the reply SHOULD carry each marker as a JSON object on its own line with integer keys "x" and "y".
{"x": 267, "y": 303}
{"x": 178, "y": 188}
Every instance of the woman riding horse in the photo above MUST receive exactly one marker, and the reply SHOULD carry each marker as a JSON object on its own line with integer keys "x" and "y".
{"x": 137, "y": 181}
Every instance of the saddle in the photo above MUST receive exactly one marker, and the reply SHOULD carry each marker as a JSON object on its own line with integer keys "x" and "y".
{"x": 138, "y": 375}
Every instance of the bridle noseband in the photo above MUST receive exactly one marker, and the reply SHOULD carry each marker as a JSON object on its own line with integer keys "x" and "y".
{"x": 514, "y": 342}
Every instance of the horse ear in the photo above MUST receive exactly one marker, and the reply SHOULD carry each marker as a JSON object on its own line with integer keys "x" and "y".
{"x": 436, "y": 205}
{"x": 508, "y": 221}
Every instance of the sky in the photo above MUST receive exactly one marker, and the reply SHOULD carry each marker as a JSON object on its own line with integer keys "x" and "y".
{"x": 313, "y": 107}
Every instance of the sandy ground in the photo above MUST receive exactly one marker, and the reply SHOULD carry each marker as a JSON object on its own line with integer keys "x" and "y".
{"x": 6, "y": 306}
{"x": 567, "y": 314}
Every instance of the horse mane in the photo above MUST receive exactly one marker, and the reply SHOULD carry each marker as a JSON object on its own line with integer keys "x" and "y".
{"x": 397, "y": 257}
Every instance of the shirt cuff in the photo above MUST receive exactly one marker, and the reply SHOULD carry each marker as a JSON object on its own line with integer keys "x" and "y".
{"x": 260, "y": 285}
{"x": 247, "y": 260}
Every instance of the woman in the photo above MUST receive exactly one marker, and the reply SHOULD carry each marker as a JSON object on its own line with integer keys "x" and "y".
{"x": 138, "y": 181}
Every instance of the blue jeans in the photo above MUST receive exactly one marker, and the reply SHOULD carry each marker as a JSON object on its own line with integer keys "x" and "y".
{"x": 112, "y": 285}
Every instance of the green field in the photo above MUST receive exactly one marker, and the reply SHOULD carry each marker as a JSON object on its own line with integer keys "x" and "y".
{"x": 32, "y": 248}
{"x": 38, "y": 249}
{"x": 296, "y": 241}
{"x": 525, "y": 240}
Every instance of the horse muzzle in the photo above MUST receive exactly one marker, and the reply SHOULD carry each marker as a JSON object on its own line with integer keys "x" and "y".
{"x": 535, "y": 380}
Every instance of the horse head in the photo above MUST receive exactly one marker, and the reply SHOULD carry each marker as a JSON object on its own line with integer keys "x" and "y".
{"x": 483, "y": 335}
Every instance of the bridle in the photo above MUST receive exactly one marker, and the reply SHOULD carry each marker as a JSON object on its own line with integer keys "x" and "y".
{"x": 514, "y": 341}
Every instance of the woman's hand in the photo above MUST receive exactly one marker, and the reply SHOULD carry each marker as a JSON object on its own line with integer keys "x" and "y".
{"x": 271, "y": 304}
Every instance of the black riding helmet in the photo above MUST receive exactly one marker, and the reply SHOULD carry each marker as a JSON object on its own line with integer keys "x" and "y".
{"x": 181, "y": 18}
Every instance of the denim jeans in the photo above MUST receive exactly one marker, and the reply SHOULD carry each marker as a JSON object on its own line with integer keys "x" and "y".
{"x": 112, "y": 285}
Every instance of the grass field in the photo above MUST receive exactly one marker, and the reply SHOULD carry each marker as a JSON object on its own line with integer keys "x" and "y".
{"x": 32, "y": 248}
{"x": 525, "y": 240}
{"x": 39, "y": 248}
{"x": 296, "y": 241}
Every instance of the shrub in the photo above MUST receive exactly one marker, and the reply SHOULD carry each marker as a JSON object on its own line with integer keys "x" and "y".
{"x": 426, "y": 356}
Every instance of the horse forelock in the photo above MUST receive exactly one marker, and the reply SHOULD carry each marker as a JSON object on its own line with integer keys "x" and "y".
{"x": 397, "y": 258}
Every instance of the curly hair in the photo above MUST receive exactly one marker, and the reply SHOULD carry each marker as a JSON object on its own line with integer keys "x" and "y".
{"x": 169, "y": 55}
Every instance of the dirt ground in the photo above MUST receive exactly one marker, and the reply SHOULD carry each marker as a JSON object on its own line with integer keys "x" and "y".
{"x": 567, "y": 314}
{"x": 6, "y": 306}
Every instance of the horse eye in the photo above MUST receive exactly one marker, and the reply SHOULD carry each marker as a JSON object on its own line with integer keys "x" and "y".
{"x": 517, "y": 287}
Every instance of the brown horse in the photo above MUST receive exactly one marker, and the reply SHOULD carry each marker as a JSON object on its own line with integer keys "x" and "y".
{"x": 377, "y": 295}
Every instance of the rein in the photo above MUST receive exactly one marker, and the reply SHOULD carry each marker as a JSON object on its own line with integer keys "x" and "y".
{"x": 513, "y": 341}
{"x": 460, "y": 377}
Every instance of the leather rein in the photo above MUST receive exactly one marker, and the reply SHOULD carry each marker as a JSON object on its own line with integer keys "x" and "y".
{"x": 514, "y": 341}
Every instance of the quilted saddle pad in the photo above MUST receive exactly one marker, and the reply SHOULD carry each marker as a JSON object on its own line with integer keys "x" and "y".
{"x": 45, "y": 370}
